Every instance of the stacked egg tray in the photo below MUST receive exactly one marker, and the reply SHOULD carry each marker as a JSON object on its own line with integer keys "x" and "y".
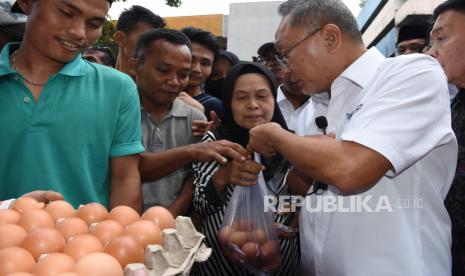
{"x": 182, "y": 247}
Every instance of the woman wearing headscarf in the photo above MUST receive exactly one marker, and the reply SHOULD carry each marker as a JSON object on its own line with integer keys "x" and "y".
{"x": 223, "y": 63}
{"x": 249, "y": 99}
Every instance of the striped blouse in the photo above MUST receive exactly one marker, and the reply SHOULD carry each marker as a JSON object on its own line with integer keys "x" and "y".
{"x": 211, "y": 207}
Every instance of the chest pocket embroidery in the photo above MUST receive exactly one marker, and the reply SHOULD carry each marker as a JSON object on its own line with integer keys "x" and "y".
{"x": 350, "y": 114}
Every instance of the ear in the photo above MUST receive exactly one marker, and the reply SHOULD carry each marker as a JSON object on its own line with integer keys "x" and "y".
{"x": 26, "y": 5}
{"x": 133, "y": 68}
{"x": 120, "y": 38}
{"x": 332, "y": 37}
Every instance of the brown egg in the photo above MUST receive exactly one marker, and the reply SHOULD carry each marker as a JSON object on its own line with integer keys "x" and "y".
{"x": 269, "y": 250}
{"x": 98, "y": 264}
{"x": 238, "y": 238}
{"x": 43, "y": 241}
{"x": 71, "y": 227}
{"x": 106, "y": 230}
{"x": 26, "y": 203}
{"x": 125, "y": 215}
{"x": 223, "y": 234}
{"x": 60, "y": 209}
{"x": 92, "y": 212}
{"x": 161, "y": 216}
{"x": 15, "y": 259}
{"x": 21, "y": 274}
{"x": 126, "y": 250}
{"x": 82, "y": 245}
{"x": 68, "y": 274}
{"x": 53, "y": 264}
{"x": 8, "y": 216}
{"x": 145, "y": 232}
{"x": 243, "y": 225}
{"x": 34, "y": 219}
{"x": 251, "y": 251}
{"x": 11, "y": 235}
{"x": 258, "y": 235}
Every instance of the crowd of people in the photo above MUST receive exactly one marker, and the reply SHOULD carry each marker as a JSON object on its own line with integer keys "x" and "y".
{"x": 173, "y": 121}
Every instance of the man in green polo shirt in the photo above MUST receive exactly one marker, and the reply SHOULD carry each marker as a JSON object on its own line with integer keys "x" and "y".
{"x": 67, "y": 124}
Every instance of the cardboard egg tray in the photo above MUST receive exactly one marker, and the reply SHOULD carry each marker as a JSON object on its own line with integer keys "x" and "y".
{"x": 182, "y": 247}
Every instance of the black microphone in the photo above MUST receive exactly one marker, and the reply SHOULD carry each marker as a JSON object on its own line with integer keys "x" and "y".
{"x": 321, "y": 123}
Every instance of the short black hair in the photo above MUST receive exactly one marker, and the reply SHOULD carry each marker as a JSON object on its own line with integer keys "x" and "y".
{"x": 455, "y": 5}
{"x": 265, "y": 48}
{"x": 129, "y": 19}
{"x": 16, "y": 9}
{"x": 108, "y": 58}
{"x": 146, "y": 39}
{"x": 203, "y": 38}
{"x": 317, "y": 13}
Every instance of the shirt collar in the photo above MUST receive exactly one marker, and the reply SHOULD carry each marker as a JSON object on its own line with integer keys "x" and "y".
{"x": 321, "y": 98}
{"x": 75, "y": 68}
{"x": 179, "y": 109}
{"x": 280, "y": 94}
{"x": 5, "y": 67}
{"x": 364, "y": 68}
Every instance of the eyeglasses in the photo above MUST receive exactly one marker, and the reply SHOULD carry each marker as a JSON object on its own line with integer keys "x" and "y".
{"x": 282, "y": 59}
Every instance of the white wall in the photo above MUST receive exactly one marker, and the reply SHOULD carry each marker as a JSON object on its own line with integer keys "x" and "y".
{"x": 250, "y": 25}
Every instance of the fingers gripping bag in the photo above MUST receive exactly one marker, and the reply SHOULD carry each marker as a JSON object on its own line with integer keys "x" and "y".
{"x": 248, "y": 233}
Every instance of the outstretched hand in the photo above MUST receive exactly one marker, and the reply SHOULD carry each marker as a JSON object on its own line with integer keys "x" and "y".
{"x": 199, "y": 128}
{"x": 218, "y": 151}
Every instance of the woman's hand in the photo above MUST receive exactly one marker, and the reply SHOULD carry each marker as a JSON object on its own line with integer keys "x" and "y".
{"x": 237, "y": 173}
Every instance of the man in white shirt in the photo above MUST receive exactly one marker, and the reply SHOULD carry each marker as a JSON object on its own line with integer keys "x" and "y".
{"x": 292, "y": 101}
{"x": 393, "y": 158}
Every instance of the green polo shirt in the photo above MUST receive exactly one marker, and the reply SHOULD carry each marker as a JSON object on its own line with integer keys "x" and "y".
{"x": 86, "y": 114}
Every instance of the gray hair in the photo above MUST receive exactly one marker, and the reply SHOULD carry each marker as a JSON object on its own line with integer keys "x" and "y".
{"x": 317, "y": 13}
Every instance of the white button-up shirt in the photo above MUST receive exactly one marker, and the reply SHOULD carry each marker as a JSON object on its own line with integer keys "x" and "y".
{"x": 400, "y": 108}
{"x": 290, "y": 114}
{"x": 317, "y": 106}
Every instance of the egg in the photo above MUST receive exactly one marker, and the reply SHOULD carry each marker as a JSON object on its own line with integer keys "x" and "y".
{"x": 223, "y": 234}
{"x": 243, "y": 225}
{"x": 98, "y": 264}
{"x": 71, "y": 227}
{"x": 238, "y": 238}
{"x": 92, "y": 212}
{"x": 26, "y": 203}
{"x": 106, "y": 230}
{"x": 82, "y": 245}
{"x": 15, "y": 259}
{"x": 125, "y": 215}
{"x": 126, "y": 250}
{"x": 8, "y": 216}
{"x": 269, "y": 250}
{"x": 251, "y": 251}
{"x": 43, "y": 241}
{"x": 145, "y": 232}
{"x": 60, "y": 209}
{"x": 161, "y": 216}
{"x": 21, "y": 274}
{"x": 67, "y": 274}
{"x": 34, "y": 219}
{"x": 258, "y": 235}
{"x": 11, "y": 235}
{"x": 53, "y": 264}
